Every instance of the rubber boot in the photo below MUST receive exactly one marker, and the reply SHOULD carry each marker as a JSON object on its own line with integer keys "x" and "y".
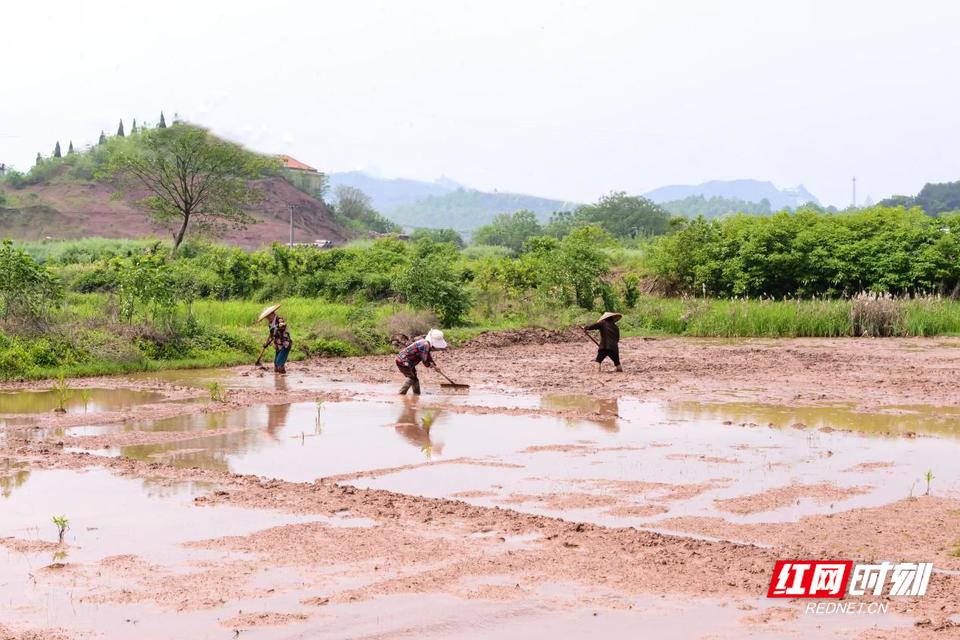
{"x": 282, "y": 370}
{"x": 406, "y": 386}
{"x": 619, "y": 368}
{"x": 416, "y": 387}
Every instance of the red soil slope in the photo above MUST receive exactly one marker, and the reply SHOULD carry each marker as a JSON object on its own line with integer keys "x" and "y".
{"x": 77, "y": 210}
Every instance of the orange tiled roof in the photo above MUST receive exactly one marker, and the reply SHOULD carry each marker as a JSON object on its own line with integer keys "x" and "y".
{"x": 293, "y": 163}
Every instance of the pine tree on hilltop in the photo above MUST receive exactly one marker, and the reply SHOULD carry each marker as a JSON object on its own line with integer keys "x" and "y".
{"x": 120, "y": 129}
{"x": 56, "y": 150}
{"x": 103, "y": 138}
{"x": 39, "y": 159}
{"x": 133, "y": 129}
{"x": 163, "y": 123}
{"x": 70, "y": 149}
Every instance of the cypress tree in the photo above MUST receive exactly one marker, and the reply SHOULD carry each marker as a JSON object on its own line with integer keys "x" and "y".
{"x": 163, "y": 123}
{"x": 56, "y": 150}
{"x": 133, "y": 129}
{"x": 103, "y": 138}
{"x": 120, "y": 129}
{"x": 70, "y": 149}
{"x": 39, "y": 159}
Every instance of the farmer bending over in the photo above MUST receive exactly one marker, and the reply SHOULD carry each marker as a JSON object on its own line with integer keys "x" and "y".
{"x": 417, "y": 352}
{"x": 609, "y": 339}
{"x": 279, "y": 336}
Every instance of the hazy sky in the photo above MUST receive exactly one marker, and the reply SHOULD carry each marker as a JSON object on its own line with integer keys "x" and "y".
{"x": 562, "y": 99}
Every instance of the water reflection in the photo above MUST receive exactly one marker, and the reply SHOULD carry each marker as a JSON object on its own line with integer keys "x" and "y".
{"x": 414, "y": 425}
{"x": 13, "y": 474}
{"x": 894, "y": 420}
{"x": 606, "y": 411}
{"x": 253, "y": 428}
{"x": 80, "y": 400}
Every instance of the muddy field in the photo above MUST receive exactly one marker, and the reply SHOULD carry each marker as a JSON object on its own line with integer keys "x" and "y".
{"x": 551, "y": 500}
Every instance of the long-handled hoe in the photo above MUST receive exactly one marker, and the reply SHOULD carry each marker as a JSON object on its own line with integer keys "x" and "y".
{"x": 450, "y": 384}
{"x": 259, "y": 363}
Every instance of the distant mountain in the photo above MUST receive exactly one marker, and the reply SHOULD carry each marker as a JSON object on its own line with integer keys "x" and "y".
{"x": 389, "y": 193}
{"x": 443, "y": 203}
{"x": 715, "y": 207}
{"x": 746, "y": 190}
{"x": 467, "y": 209}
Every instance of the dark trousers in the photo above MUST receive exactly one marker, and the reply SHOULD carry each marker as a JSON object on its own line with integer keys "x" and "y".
{"x": 410, "y": 373}
{"x": 613, "y": 354}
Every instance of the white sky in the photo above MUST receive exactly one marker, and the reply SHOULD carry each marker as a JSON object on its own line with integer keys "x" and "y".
{"x": 565, "y": 99}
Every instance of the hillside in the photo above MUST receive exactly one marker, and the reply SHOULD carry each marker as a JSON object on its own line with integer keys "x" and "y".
{"x": 443, "y": 203}
{"x": 746, "y": 190}
{"x": 715, "y": 207}
{"x": 467, "y": 209}
{"x": 74, "y": 209}
{"x": 75, "y": 196}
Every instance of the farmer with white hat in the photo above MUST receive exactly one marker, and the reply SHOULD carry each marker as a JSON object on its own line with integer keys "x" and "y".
{"x": 279, "y": 336}
{"x": 415, "y": 353}
{"x": 609, "y": 345}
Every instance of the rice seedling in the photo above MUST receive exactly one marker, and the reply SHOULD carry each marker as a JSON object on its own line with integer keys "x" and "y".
{"x": 929, "y": 478}
{"x": 217, "y": 392}
{"x": 62, "y": 525}
{"x": 62, "y": 390}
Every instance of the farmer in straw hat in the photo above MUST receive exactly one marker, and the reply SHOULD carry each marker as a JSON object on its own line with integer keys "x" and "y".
{"x": 609, "y": 345}
{"x": 279, "y": 336}
{"x": 415, "y": 353}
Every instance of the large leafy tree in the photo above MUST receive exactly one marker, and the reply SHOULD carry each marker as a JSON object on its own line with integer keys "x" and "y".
{"x": 626, "y": 216}
{"x": 354, "y": 209}
{"x": 194, "y": 178}
{"x": 509, "y": 230}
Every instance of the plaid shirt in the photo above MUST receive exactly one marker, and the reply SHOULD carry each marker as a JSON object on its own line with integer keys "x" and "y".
{"x": 279, "y": 335}
{"x": 414, "y": 353}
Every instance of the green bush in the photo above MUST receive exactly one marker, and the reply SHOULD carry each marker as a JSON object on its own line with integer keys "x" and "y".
{"x": 432, "y": 282}
{"x": 809, "y": 253}
{"x": 28, "y": 290}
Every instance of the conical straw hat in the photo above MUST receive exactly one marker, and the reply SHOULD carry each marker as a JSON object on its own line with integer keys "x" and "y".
{"x": 612, "y": 315}
{"x": 268, "y": 311}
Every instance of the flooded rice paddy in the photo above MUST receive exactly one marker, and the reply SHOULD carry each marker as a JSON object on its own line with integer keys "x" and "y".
{"x": 614, "y": 462}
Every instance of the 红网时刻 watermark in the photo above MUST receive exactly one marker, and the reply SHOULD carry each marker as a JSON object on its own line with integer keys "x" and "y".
{"x": 837, "y": 579}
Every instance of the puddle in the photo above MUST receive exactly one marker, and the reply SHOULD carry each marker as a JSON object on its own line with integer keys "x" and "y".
{"x": 82, "y": 400}
{"x": 631, "y": 463}
{"x": 109, "y": 516}
{"x": 304, "y": 441}
{"x": 13, "y": 474}
{"x": 892, "y": 420}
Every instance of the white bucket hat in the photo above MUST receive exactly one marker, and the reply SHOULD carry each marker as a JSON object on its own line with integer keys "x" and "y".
{"x": 435, "y": 338}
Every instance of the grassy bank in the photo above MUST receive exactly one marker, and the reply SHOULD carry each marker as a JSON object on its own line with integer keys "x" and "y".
{"x": 795, "y": 318}
{"x": 86, "y": 339}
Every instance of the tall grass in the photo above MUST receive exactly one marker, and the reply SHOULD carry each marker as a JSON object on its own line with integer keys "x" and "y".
{"x": 83, "y": 250}
{"x": 789, "y": 318}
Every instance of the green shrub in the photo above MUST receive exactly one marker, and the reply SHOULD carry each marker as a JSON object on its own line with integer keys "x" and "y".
{"x": 28, "y": 290}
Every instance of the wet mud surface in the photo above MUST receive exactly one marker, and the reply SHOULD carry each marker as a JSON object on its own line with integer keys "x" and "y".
{"x": 548, "y": 499}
